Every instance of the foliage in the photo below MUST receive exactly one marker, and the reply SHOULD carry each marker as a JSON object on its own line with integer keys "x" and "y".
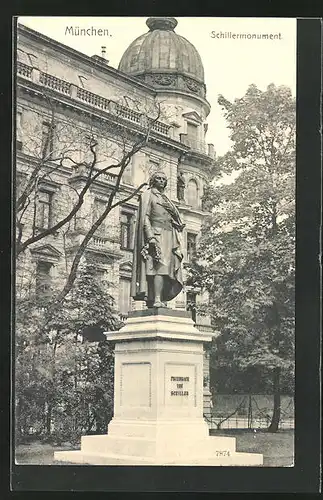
{"x": 64, "y": 387}
{"x": 246, "y": 254}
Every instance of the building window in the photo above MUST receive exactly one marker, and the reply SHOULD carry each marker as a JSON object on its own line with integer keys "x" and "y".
{"x": 124, "y": 296}
{"x": 191, "y": 304}
{"x": 47, "y": 139}
{"x": 192, "y": 193}
{"x": 126, "y": 224}
{"x": 127, "y": 176}
{"x": 43, "y": 280}
{"x": 44, "y": 210}
{"x": 98, "y": 209}
{"x": 191, "y": 131}
{"x": 191, "y": 246}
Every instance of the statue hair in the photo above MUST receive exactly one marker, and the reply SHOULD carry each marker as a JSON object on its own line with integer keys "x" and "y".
{"x": 152, "y": 178}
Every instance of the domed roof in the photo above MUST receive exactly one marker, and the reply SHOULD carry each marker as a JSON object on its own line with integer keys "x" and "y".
{"x": 162, "y": 51}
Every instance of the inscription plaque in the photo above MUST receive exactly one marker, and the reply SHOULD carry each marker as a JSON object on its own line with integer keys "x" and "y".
{"x": 180, "y": 387}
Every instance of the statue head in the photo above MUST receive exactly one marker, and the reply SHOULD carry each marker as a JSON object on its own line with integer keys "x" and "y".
{"x": 158, "y": 180}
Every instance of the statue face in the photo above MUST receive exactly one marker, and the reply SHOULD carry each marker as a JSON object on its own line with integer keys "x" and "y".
{"x": 159, "y": 181}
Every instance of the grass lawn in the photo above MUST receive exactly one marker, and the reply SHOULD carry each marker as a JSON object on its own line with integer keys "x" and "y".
{"x": 278, "y": 448}
{"x": 37, "y": 453}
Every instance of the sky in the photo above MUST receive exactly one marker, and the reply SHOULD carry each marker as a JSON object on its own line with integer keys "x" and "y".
{"x": 230, "y": 64}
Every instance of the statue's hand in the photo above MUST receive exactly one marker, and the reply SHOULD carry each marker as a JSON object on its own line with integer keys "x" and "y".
{"x": 179, "y": 227}
{"x": 155, "y": 251}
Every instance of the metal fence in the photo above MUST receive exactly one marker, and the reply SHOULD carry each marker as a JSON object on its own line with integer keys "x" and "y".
{"x": 248, "y": 413}
{"x": 245, "y": 423}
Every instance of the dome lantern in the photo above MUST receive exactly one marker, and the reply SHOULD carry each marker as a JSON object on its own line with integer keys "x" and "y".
{"x": 161, "y": 23}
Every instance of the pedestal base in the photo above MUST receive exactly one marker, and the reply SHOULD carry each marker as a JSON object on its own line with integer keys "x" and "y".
{"x": 216, "y": 458}
{"x": 158, "y": 400}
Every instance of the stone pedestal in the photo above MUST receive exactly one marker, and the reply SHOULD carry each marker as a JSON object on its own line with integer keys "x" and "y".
{"x": 158, "y": 399}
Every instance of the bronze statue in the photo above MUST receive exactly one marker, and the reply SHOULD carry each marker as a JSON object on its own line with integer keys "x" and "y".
{"x": 157, "y": 261}
{"x": 180, "y": 187}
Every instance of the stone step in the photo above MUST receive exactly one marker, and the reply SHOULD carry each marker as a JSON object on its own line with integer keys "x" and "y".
{"x": 235, "y": 459}
{"x": 144, "y": 447}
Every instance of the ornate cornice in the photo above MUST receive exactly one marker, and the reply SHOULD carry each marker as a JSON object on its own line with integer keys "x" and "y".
{"x": 193, "y": 116}
{"x": 170, "y": 82}
{"x": 189, "y": 209}
{"x": 199, "y": 157}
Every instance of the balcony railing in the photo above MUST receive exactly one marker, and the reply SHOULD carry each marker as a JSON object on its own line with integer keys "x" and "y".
{"x": 127, "y": 113}
{"x": 160, "y": 127}
{"x": 24, "y": 69}
{"x": 83, "y": 170}
{"x": 107, "y": 176}
{"x": 99, "y": 242}
{"x": 194, "y": 144}
{"x": 96, "y": 100}
{"x": 54, "y": 83}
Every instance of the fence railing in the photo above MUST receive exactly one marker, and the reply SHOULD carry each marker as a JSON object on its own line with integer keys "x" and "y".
{"x": 246, "y": 423}
{"x": 247, "y": 413}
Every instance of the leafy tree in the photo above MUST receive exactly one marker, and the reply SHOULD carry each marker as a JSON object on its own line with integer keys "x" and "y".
{"x": 246, "y": 254}
{"x": 64, "y": 386}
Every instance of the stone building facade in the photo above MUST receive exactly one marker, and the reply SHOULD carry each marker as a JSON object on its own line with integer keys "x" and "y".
{"x": 66, "y": 99}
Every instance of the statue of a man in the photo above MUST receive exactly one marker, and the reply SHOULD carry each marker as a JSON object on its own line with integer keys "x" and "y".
{"x": 157, "y": 261}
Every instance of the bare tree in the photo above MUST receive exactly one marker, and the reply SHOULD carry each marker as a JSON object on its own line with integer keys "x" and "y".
{"x": 72, "y": 147}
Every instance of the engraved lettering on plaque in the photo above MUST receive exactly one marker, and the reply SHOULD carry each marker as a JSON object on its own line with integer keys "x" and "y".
{"x": 180, "y": 385}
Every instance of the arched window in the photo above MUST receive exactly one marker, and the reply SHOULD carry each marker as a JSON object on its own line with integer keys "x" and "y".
{"x": 192, "y": 193}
